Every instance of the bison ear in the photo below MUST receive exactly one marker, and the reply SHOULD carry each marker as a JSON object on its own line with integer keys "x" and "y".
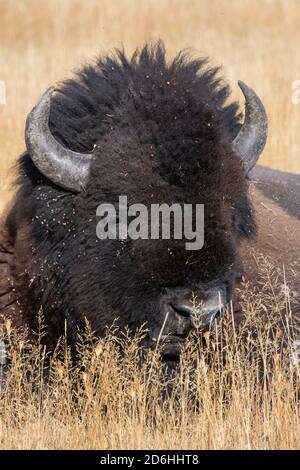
{"x": 252, "y": 137}
{"x": 62, "y": 166}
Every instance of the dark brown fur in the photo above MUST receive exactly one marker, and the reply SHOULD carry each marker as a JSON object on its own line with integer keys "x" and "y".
{"x": 160, "y": 133}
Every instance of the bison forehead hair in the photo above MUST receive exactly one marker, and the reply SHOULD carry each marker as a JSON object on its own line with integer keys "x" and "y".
{"x": 170, "y": 119}
{"x": 159, "y": 132}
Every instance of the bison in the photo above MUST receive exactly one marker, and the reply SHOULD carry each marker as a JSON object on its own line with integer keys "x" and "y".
{"x": 158, "y": 132}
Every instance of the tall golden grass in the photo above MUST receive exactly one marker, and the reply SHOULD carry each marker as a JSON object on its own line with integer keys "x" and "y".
{"x": 110, "y": 401}
{"x": 233, "y": 389}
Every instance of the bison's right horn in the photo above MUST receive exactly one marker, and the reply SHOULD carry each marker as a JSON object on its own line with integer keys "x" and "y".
{"x": 252, "y": 137}
{"x": 62, "y": 166}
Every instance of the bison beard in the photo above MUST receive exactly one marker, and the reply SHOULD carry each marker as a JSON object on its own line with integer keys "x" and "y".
{"x": 158, "y": 133}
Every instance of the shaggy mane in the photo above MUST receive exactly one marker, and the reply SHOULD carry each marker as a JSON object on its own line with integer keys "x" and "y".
{"x": 84, "y": 105}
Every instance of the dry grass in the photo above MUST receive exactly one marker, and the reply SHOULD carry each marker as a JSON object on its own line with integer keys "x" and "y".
{"x": 237, "y": 389}
{"x": 115, "y": 405}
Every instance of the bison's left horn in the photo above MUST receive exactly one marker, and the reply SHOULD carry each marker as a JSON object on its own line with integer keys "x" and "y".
{"x": 252, "y": 137}
{"x": 62, "y": 166}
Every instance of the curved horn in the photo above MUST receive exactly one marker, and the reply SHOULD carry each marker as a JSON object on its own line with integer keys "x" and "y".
{"x": 252, "y": 137}
{"x": 63, "y": 167}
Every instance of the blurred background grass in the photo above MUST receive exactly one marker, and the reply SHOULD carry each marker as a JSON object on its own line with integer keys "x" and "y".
{"x": 258, "y": 41}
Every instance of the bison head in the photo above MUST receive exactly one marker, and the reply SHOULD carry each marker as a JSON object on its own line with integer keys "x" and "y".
{"x": 167, "y": 138}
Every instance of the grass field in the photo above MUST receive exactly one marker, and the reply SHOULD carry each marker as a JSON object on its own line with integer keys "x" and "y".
{"x": 238, "y": 389}
{"x": 258, "y": 41}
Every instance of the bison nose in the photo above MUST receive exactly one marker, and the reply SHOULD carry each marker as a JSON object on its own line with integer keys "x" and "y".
{"x": 182, "y": 309}
{"x": 179, "y": 319}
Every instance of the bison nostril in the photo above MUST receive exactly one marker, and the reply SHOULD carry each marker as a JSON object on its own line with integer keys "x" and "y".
{"x": 183, "y": 310}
